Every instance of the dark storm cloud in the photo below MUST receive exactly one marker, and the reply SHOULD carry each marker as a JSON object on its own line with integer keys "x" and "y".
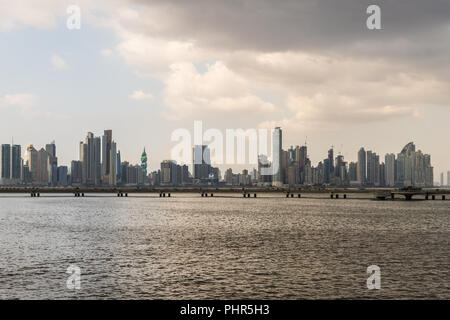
{"x": 265, "y": 25}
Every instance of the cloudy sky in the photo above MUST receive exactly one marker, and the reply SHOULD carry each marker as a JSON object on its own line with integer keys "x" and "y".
{"x": 146, "y": 68}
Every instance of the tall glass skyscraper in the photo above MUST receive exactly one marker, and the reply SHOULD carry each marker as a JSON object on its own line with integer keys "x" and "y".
{"x": 277, "y": 146}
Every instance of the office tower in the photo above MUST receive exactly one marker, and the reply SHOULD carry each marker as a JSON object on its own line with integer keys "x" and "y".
{"x": 340, "y": 171}
{"x": 277, "y": 147}
{"x": 308, "y": 174}
{"x": 76, "y": 172}
{"x": 185, "y": 178}
{"x": 442, "y": 179}
{"x": 303, "y": 156}
{"x": 53, "y": 163}
{"x": 201, "y": 162}
{"x": 90, "y": 152}
{"x": 326, "y": 171}
{"x": 144, "y": 162}
{"x": 353, "y": 172}
{"x": 123, "y": 172}
{"x": 382, "y": 182}
{"x": 389, "y": 160}
{"x": 43, "y": 159}
{"x": 293, "y": 174}
{"x": 26, "y": 174}
{"x": 428, "y": 169}
{"x": 51, "y": 149}
{"x": 16, "y": 163}
{"x": 118, "y": 168}
{"x": 400, "y": 173}
{"x": 448, "y": 178}
{"x": 291, "y": 154}
{"x": 229, "y": 177}
{"x": 5, "y": 164}
{"x": 373, "y": 169}
{"x": 32, "y": 162}
{"x": 362, "y": 167}
{"x": 170, "y": 173}
{"x": 284, "y": 164}
{"x": 106, "y": 154}
{"x": 84, "y": 159}
{"x": 112, "y": 164}
{"x": 62, "y": 176}
{"x": 331, "y": 158}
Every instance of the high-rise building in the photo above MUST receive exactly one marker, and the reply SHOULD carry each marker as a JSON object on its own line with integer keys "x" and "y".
{"x": 400, "y": 172}
{"x": 326, "y": 171}
{"x": 448, "y": 178}
{"x": 277, "y": 148}
{"x": 112, "y": 165}
{"x": 362, "y": 167}
{"x": 16, "y": 163}
{"x": 442, "y": 179}
{"x": 373, "y": 169}
{"x": 144, "y": 162}
{"x": 62, "y": 176}
{"x": 43, "y": 159}
{"x": 5, "y": 164}
{"x": 353, "y": 172}
{"x": 390, "y": 169}
{"x": 52, "y": 163}
{"x": 118, "y": 168}
{"x": 106, "y": 156}
{"x": 32, "y": 162}
{"x": 331, "y": 158}
{"x": 76, "y": 172}
{"x": 90, "y": 152}
{"x": 170, "y": 173}
{"x": 201, "y": 162}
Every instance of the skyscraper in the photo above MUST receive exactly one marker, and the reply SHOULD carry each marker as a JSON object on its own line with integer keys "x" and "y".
{"x": 62, "y": 176}
{"x": 112, "y": 164}
{"x": 448, "y": 178}
{"x": 277, "y": 147}
{"x": 353, "y": 172}
{"x": 442, "y": 179}
{"x": 201, "y": 162}
{"x": 119, "y": 167}
{"x": 16, "y": 163}
{"x": 90, "y": 158}
{"x": 362, "y": 167}
{"x": 32, "y": 162}
{"x": 331, "y": 158}
{"x": 76, "y": 172}
{"x": 5, "y": 164}
{"x": 144, "y": 162}
{"x": 52, "y": 163}
{"x": 390, "y": 169}
{"x": 42, "y": 177}
{"x": 373, "y": 169}
{"x": 106, "y": 155}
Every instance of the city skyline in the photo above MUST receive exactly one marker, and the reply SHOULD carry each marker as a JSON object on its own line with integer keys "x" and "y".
{"x": 326, "y": 76}
{"x": 100, "y": 163}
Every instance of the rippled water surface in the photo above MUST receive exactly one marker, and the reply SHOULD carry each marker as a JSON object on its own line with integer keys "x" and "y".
{"x": 188, "y": 247}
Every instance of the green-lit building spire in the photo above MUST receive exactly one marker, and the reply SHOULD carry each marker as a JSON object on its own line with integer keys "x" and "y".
{"x": 144, "y": 162}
